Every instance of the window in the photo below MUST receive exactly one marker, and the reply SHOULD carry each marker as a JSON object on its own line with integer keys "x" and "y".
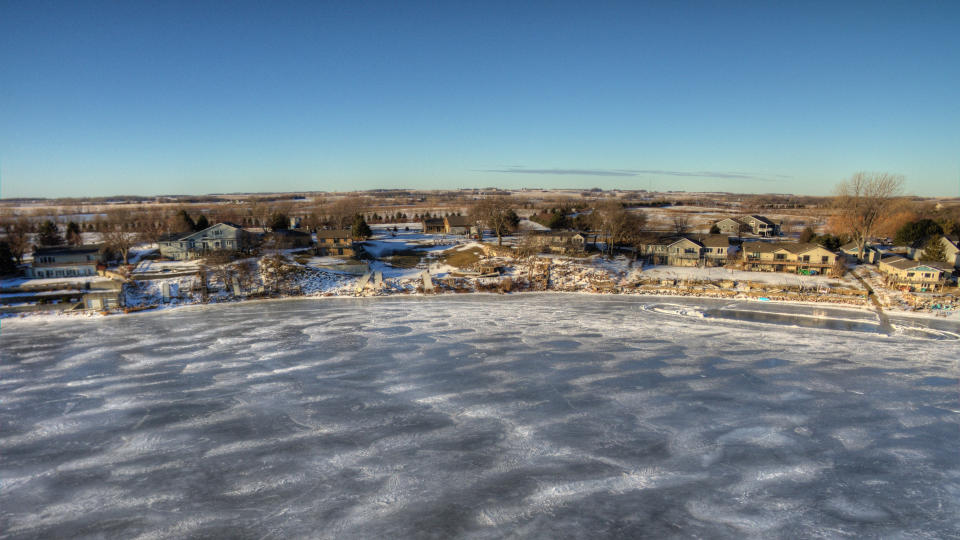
{"x": 825, "y": 259}
{"x": 780, "y": 257}
{"x": 806, "y": 258}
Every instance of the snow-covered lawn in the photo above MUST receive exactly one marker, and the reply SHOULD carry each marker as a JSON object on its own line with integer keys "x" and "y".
{"x": 541, "y": 416}
{"x": 721, "y": 273}
{"x": 149, "y": 266}
{"x": 48, "y": 282}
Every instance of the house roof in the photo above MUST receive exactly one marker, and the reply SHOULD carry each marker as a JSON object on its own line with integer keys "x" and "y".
{"x": 433, "y": 222}
{"x": 906, "y": 264}
{"x": 715, "y": 240}
{"x": 172, "y": 237}
{"x": 796, "y": 248}
{"x": 290, "y": 233}
{"x": 762, "y": 219}
{"x": 554, "y": 233}
{"x": 458, "y": 221}
{"x": 178, "y": 236}
{"x": 686, "y": 239}
{"x": 851, "y": 247}
{"x": 334, "y": 233}
{"x": 66, "y": 250}
{"x": 735, "y": 220}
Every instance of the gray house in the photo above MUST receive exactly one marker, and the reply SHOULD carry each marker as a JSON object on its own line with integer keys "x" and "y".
{"x": 762, "y": 226}
{"x": 64, "y": 261}
{"x": 730, "y": 226}
{"x": 691, "y": 250}
{"x": 219, "y": 237}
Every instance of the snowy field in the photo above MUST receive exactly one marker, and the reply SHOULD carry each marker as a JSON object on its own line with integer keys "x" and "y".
{"x": 542, "y": 416}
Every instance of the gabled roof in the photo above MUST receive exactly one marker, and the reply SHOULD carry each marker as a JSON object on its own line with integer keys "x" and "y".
{"x": 433, "y": 222}
{"x": 67, "y": 250}
{"x": 762, "y": 219}
{"x": 715, "y": 240}
{"x": 906, "y": 264}
{"x": 797, "y": 248}
{"x": 952, "y": 240}
{"x": 686, "y": 239}
{"x": 733, "y": 219}
{"x": 290, "y": 233}
{"x": 172, "y": 237}
{"x": 177, "y": 237}
{"x": 458, "y": 221}
{"x": 334, "y": 233}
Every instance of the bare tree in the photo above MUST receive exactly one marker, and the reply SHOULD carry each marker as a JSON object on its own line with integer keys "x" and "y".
{"x": 152, "y": 225}
{"x": 617, "y": 224}
{"x": 117, "y": 235}
{"x": 863, "y": 202}
{"x": 681, "y": 223}
{"x": 18, "y": 237}
{"x": 315, "y": 216}
{"x": 495, "y": 213}
{"x": 342, "y": 211}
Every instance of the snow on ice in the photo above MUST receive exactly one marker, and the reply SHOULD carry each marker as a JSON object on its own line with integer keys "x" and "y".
{"x": 539, "y": 415}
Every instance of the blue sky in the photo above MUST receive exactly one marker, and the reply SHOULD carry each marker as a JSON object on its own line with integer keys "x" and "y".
{"x": 204, "y": 97}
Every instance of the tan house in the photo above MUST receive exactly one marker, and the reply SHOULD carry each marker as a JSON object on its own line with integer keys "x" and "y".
{"x": 456, "y": 225}
{"x": 674, "y": 250}
{"x": 914, "y": 275}
{"x": 434, "y": 226}
{"x": 787, "y": 257}
{"x": 557, "y": 241}
{"x": 335, "y": 243}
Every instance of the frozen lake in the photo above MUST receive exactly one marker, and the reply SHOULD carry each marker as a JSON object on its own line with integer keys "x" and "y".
{"x": 545, "y": 416}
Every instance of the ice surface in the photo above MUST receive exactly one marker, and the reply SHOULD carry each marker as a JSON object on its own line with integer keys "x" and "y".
{"x": 546, "y": 416}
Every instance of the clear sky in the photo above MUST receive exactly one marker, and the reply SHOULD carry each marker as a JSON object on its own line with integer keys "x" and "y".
{"x": 203, "y": 97}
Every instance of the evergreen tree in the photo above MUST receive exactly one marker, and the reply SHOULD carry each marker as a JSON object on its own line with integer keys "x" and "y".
{"x": 278, "y": 220}
{"x": 934, "y": 250}
{"x": 917, "y": 232}
{"x": 49, "y": 234}
{"x": 360, "y": 228}
{"x": 7, "y": 265}
{"x": 807, "y": 235}
{"x": 74, "y": 236}
{"x": 201, "y": 223}
{"x": 182, "y": 222}
{"x": 715, "y": 230}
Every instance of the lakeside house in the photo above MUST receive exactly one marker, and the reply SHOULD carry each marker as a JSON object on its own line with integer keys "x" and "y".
{"x": 762, "y": 226}
{"x": 871, "y": 254}
{"x": 951, "y": 247}
{"x": 336, "y": 242}
{"x": 60, "y": 294}
{"x": 786, "y": 257}
{"x": 220, "y": 237}
{"x": 908, "y": 274}
{"x": 730, "y": 226}
{"x": 64, "y": 261}
{"x": 434, "y": 226}
{"x": 457, "y": 225}
{"x": 557, "y": 241}
{"x": 685, "y": 250}
{"x": 288, "y": 239}
{"x": 758, "y": 225}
